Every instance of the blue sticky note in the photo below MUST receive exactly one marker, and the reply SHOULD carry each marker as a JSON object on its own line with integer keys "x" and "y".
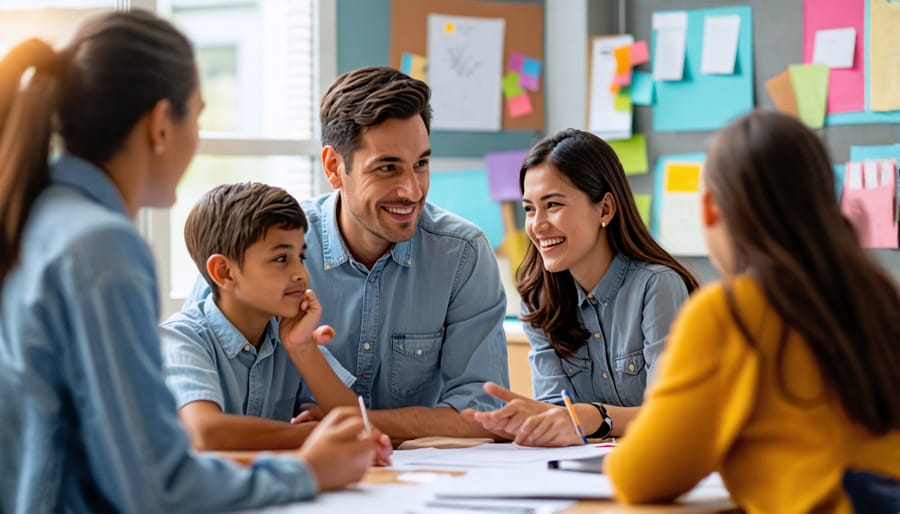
{"x": 861, "y": 153}
{"x": 531, "y": 67}
{"x": 659, "y": 180}
{"x": 406, "y": 61}
{"x": 707, "y": 102}
{"x": 839, "y": 171}
{"x": 465, "y": 193}
{"x": 642, "y": 88}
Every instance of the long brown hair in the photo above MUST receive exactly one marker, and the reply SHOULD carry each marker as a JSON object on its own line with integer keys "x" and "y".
{"x": 116, "y": 69}
{"x": 806, "y": 257}
{"x": 593, "y": 167}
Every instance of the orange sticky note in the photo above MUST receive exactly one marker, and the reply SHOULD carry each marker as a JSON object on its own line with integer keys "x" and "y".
{"x": 614, "y": 88}
{"x": 781, "y": 90}
{"x": 682, "y": 177}
{"x": 623, "y": 59}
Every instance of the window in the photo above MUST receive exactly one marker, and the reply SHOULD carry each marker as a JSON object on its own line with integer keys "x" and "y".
{"x": 54, "y": 21}
{"x": 262, "y": 64}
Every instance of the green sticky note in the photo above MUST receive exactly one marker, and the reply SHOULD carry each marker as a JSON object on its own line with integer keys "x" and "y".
{"x": 511, "y": 87}
{"x": 810, "y": 83}
{"x": 643, "y": 206}
{"x": 622, "y": 101}
{"x": 633, "y": 154}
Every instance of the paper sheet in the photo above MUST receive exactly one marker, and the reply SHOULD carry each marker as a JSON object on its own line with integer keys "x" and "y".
{"x": 668, "y": 53}
{"x": 465, "y": 60}
{"x": 835, "y": 47}
{"x": 466, "y": 194}
{"x": 884, "y": 58}
{"x": 720, "y": 42}
{"x": 676, "y": 204}
{"x": 846, "y": 86}
{"x": 781, "y": 90}
{"x": 869, "y": 201}
{"x": 603, "y": 119}
{"x": 497, "y": 455}
{"x": 810, "y": 83}
{"x": 633, "y": 153}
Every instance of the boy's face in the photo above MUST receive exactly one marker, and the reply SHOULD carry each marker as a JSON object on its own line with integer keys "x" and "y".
{"x": 273, "y": 278}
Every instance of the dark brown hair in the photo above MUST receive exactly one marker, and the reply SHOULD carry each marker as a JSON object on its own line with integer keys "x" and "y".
{"x": 366, "y": 97}
{"x": 806, "y": 257}
{"x": 231, "y": 217}
{"x": 593, "y": 167}
{"x": 118, "y": 66}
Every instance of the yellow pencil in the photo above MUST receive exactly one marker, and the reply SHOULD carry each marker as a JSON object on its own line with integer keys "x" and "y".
{"x": 571, "y": 408}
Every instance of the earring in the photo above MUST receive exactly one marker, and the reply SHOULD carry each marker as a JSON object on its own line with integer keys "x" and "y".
{"x": 602, "y": 224}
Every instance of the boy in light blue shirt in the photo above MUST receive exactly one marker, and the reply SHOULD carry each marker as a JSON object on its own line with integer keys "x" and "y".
{"x": 236, "y": 360}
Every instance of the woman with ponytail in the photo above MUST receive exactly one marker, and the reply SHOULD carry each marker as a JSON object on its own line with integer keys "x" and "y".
{"x": 800, "y": 343}
{"x": 88, "y": 424}
{"x": 598, "y": 296}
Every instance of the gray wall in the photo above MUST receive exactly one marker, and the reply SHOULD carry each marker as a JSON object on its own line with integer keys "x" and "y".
{"x": 363, "y": 40}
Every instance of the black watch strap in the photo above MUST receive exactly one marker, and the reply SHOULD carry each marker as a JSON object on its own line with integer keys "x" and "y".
{"x": 606, "y": 425}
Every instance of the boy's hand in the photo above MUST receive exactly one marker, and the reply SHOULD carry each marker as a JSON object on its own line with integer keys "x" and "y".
{"x": 309, "y": 412}
{"x": 383, "y": 448}
{"x": 301, "y": 331}
{"x": 335, "y": 452}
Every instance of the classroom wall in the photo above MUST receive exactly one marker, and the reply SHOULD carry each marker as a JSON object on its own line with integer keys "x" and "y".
{"x": 363, "y": 40}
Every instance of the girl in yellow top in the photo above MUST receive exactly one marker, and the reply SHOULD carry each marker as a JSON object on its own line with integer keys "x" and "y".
{"x": 784, "y": 375}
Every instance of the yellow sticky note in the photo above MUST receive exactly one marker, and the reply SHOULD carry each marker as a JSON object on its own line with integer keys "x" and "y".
{"x": 682, "y": 177}
{"x": 622, "y": 101}
{"x": 643, "y": 206}
{"x": 449, "y": 28}
{"x": 510, "y": 84}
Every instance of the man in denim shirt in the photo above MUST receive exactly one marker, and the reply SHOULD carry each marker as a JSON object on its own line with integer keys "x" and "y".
{"x": 413, "y": 291}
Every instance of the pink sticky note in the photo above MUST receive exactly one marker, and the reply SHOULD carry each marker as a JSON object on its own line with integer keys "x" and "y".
{"x": 846, "y": 86}
{"x": 503, "y": 174}
{"x": 639, "y": 53}
{"x": 623, "y": 79}
{"x": 515, "y": 61}
{"x": 519, "y": 106}
{"x": 530, "y": 82}
{"x": 868, "y": 202}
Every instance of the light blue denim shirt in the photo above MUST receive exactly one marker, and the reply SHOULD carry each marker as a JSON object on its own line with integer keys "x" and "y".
{"x": 207, "y": 358}
{"x": 424, "y": 326}
{"x": 628, "y": 316}
{"x": 86, "y": 420}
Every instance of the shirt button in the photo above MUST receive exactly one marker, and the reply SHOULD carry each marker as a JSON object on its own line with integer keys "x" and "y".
{"x": 246, "y": 347}
{"x": 605, "y": 376}
{"x": 419, "y": 352}
{"x": 366, "y": 346}
{"x": 631, "y": 367}
{"x": 327, "y": 265}
{"x": 597, "y": 335}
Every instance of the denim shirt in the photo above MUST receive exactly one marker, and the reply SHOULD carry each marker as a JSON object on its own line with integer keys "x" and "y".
{"x": 207, "y": 358}
{"x": 424, "y": 326}
{"x": 86, "y": 420}
{"x": 628, "y": 316}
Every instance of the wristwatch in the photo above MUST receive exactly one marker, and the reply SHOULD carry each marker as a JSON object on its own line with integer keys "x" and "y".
{"x": 606, "y": 425}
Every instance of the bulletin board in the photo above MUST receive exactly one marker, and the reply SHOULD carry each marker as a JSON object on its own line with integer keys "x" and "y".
{"x": 524, "y": 34}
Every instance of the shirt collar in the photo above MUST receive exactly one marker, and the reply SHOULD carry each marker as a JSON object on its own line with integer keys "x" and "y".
{"x": 612, "y": 280}
{"x": 335, "y": 250}
{"x": 89, "y": 180}
{"x": 228, "y": 335}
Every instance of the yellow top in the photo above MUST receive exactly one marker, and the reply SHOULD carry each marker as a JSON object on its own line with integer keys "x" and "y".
{"x": 716, "y": 405}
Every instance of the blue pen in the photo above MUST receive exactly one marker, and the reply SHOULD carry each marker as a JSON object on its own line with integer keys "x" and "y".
{"x": 574, "y": 417}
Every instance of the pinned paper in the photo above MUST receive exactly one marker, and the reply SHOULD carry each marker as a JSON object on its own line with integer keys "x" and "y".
{"x": 622, "y": 80}
{"x": 678, "y": 221}
{"x": 603, "y": 119}
{"x": 641, "y": 88}
{"x": 846, "y": 86}
{"x": 622, "y": 101}
{"x": 639, "y": 53}
{"x": 531, "y": 67}
{"x": 503, "y": 174}
{"x": 530, "y": 82}
{"x": 475, "y": 205}
{"x": 632, "y": 153}
{"x": 682, "y": 177}
{"x": 869, "y": 201}
{"x": 511, "y": 86}
{"x": 414, "y": 65}
{"x": 810, "y": 83}
{"x": 515, "y": 61}
{"x": 835, "y": 47}
{"x": 671, "y": 37}
{"x": 781, "y": 90}
{"x": 884, "y": 61}
{"x": 720, "y": 42}
{"x": 519, "y": 106}
{"x": 643, "y": 206}
{"x": 622, "y": 55}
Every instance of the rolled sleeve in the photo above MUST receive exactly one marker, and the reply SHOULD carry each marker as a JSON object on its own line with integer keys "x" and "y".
{"x": 190, "y": 368}
{"x": 663, "y": 297}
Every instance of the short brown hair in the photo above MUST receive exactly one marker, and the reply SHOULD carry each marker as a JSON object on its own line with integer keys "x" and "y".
{"x": 231, "y": 217}
{"x": 366, "y": 97}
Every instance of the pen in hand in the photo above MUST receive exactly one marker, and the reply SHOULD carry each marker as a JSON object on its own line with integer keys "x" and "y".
{"x": 574, "y": 417}
{"x": 365, "y": 416}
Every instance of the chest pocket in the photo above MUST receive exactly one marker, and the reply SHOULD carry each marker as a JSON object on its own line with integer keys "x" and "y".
{"x": 579, "y": 371}
{"x": 631, "y": 378}
{"x": 414, "y": 361}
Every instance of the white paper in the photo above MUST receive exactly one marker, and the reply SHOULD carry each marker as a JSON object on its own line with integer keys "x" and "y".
{"x": 603, "y": 119}
{"x": 493, "y": 455}
{"x": 835, "y": 47}
{"x": 888, "y": 172}
{"x": 465, "y": 59}
{"x": 854, "y": 175}
{"x": 513, "y": 506}
{"x": 870, "y": 174}
{"x": 526, "y": 483}
{"x": 359, "y": 498}
{"x": 668, "y": 54}
{"x": 720, "y": 44}
{"x": 680, "y": 230}
{"x": 670, "y": 20}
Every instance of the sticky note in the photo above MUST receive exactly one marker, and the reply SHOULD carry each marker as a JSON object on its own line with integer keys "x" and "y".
{"x": 510, "y": 84}
{"x": 639, "y": 53}
{"x": 622, "y": 80}
{"x": 515, "y": 61}
{"x": 414, "y": 65}
{"x": 632, "y": 153}
{"x": 781, "y": 90}
{"x": 531, "y": 67}
{"x": 622, "y": 101}
{"x": 449, "y": 28}
{"x": 720, "y": 43}
{"x": 519, "y": 106}
{"x": 503, "y": 174}
{"x": 641, "y": 88}
{"x": 835, "y": 47}
{"x": 643, "y": 207}
{"x": 682, "y": 177}
{"x": 623, "y": 59}
{"x": 810, "y": 83}
{"x": 530, "y": 82}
